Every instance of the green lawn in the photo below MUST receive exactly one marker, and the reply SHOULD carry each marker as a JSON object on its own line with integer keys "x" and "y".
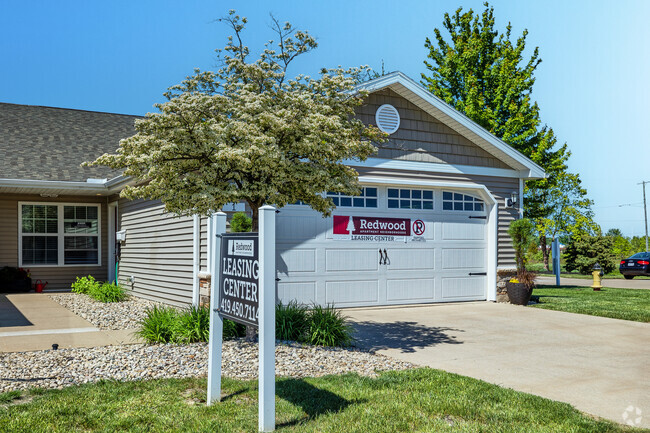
{"x": 422, "y": 400}
{"x": 626, "y": 304}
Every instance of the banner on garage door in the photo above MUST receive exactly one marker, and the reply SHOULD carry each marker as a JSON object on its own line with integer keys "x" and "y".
{"x": 377, "y": 229}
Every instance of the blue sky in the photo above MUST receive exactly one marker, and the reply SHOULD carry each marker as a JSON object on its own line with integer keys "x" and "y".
{"x": 120, "y": 56}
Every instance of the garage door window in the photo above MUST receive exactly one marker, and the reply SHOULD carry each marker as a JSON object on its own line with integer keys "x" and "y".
{"x": 455, "y": 201}
{"x": 410, "y": 199}
{"x": 368, "y": 198}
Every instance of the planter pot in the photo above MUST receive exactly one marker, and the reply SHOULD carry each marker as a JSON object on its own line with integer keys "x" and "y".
{"x": 518, "y": 293}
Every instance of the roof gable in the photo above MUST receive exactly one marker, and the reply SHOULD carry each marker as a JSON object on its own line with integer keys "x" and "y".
{"x": 438, "y": 109}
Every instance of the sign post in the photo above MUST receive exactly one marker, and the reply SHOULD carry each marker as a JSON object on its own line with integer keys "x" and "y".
{"x": 216, "y": 227}
{"x": 555, "y": 252}
{"x": 267, "y": 320}
{"x": 243, "y": 290}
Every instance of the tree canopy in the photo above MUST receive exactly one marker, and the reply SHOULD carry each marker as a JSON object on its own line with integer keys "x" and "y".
{"x": 248, "y": 132}
{"x": 484, "y": 74}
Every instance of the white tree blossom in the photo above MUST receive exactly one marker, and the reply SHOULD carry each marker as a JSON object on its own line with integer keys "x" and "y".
{"x": 249, "y": 133}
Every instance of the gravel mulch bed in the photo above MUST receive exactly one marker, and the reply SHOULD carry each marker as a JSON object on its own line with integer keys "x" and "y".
{"x": 65, "y": 367}
{"x": 105, "y": 315}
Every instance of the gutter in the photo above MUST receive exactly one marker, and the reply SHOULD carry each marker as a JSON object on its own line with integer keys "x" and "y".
{"x": 98, "y": 186}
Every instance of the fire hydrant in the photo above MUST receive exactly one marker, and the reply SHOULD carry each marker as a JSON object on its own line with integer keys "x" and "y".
{"x": 597, "y": 273}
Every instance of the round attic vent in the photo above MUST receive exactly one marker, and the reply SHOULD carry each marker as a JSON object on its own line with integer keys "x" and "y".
{"x": 387, "y": 118}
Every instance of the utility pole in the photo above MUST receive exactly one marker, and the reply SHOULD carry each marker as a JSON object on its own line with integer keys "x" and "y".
{"x": 645, "y": 213}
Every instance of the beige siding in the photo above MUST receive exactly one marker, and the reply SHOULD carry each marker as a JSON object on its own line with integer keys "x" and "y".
{"x": 57, "y": 277}
{"x": 421, "y": 137}
{"x": 499, "y": 187}
{"x": 157, "y": 252}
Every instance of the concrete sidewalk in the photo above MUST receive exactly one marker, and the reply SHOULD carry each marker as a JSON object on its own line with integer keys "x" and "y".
{"x": 599, "y": 365}
{"x": 33, "y": 321}
{"x": 609, "y": 282}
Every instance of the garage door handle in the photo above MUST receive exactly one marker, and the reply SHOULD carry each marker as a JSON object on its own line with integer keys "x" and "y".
{"x": 478, "y": 273}
{"x": 478, "y": 217}
{"x": 381, "y": 257}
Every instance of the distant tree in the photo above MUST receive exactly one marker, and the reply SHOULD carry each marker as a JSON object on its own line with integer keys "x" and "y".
{"x": 241, "y": 222}
{"x": 614, "y": 232}
{"x": 485, "y": 75}
{"x": 583, "y": 252}
{"x": 248, "y": 132}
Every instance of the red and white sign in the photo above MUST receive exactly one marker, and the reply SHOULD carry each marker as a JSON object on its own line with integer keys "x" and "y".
{"x": 377, "y": 229}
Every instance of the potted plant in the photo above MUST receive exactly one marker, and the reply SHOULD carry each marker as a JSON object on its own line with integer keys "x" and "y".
{"x": 15, "y": 279}
{"x": 521, "y": 287}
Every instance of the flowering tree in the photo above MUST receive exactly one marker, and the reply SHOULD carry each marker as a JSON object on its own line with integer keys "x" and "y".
{"x": 249, "y": 133}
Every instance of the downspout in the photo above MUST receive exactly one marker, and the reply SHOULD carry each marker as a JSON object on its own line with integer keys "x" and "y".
{"x": 196, "y": 260}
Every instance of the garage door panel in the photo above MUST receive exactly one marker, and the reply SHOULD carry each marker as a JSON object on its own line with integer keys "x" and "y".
{"x": 343, "y": 293}
{"x": 303, "y": 293}
{"x": 463, "y": 258}
{"x": 296, "y": 228}
{"x": 463, "y": 288}
{"x": 301, "y": 259}
{"x": 421, "y": 289}
{"x": 463, "y": 231}
{"x": 410, "y": 259}
{"x": 337, "y": 260}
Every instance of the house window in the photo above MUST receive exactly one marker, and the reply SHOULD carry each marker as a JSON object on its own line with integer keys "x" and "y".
{"x": 410, "y": 199}
{"x": 455, "y": 201}
{"x": 368, "y": 198}
{"x": 59, "y": 234}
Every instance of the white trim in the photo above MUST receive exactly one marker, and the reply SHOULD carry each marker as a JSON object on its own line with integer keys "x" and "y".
{"x": 196, "y": 259}
{"x": 521, "y": 198}
{"x": 98, "y": 186}
{"x": 60, "y": 234}
{"x": 111, "y": 211}
{"x": 433, "y": 167}
{"x": 455, "y": 119}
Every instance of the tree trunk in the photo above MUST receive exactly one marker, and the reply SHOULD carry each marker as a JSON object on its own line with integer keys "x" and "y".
{"x": 542, "y": 243}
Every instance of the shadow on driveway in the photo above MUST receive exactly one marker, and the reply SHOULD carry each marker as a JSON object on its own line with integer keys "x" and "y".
{"x": 10, "y": 315}
{"x": 405, "y": 336}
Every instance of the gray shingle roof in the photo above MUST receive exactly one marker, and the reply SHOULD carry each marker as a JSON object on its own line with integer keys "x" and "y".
{"x": 47, "y": 143}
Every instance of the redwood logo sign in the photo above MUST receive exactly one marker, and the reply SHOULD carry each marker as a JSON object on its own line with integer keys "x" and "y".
{"x": 371, "y": 228}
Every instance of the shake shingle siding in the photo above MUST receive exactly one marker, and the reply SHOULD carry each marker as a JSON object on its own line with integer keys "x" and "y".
{"x": 157, "y": 252}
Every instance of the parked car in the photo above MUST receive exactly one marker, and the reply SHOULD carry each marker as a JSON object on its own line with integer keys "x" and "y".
{"x": 638, "y": 264}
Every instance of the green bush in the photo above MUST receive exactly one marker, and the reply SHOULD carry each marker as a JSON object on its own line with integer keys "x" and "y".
{"x": 108, "y": 292}
{"x": 522, "y": 233}
{"x": 291, "y": 321}
{"x": 158, "y": 325}
{"x": 583, "y": 252}
{"x": 192, "y": 325}
{"x": 328, "y": 327}
{"x": 85, "y": 285}
{"x": 169, "y": 325}
{"x": 241, "y": 222}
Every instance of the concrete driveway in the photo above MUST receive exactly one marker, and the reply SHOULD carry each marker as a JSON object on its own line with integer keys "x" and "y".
{"x": 599, "y": 365}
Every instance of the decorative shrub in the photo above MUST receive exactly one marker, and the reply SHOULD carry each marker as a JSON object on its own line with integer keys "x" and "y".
{"x": 241, "y": 222}
{"x": 85, "y": 285}
{"x": 192, "y": 325}
{"x": 158, "y": 325}
{"x": 108, "y": 292}
{"x": 583, "y": 252}
{"x": 328, "y": 327}
{"x": 291, "y": 321}
{"x": 522, "y": 233}
{"x": 169, "y": 325}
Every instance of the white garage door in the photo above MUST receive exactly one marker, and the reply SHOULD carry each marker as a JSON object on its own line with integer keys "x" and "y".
{"x": 392, "y": 245}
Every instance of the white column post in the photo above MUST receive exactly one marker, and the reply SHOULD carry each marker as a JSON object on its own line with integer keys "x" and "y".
{"x": 196, "y": 259}
{"x": 216, "y": 226}
{"x": 267, "y": 319}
